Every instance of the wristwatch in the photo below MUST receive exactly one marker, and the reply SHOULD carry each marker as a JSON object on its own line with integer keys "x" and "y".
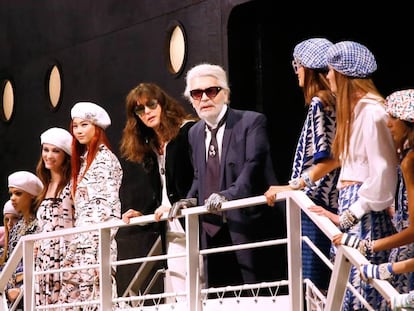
{"x": 295, "y": 183}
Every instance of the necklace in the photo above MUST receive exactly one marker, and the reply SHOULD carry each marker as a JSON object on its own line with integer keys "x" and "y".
{"x": 161, "y": 158}
{"x": 161, "y": 162}
{"x": 26, "y": 225}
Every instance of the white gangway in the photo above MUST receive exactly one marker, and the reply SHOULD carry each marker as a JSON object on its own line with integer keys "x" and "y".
{"x": 198, "y": 298}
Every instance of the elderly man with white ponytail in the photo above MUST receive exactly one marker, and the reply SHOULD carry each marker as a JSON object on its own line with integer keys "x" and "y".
{"x": 231, "y": 158}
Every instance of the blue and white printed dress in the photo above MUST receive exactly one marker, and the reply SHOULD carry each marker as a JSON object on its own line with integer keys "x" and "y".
{"x": 314, "y": 145}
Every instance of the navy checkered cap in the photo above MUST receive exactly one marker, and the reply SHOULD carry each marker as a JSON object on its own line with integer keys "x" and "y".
{"x": 352, "y": 59}
{"x": 311, "y": 53}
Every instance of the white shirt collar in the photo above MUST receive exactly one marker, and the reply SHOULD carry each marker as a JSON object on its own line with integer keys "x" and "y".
{"x": 221, "y": 114}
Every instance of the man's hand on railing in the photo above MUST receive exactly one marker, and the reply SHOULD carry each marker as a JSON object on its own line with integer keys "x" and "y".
{"x": 214, "y": 202}
{"x": 381, "y": 272}
{"x": 175, "y": 210}
{"x": 365, "y": 247}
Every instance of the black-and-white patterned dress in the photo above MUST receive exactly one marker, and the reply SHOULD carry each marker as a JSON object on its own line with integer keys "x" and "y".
{"x": 96, "y": 200}
{"x": 53, "y": 214}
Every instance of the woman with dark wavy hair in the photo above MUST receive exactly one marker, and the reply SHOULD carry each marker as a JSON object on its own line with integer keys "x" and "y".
{"x": 155, "y": 136}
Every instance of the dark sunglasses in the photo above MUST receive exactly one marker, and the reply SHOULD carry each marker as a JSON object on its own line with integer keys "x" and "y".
{"x": 139, "y": 109}
{"x": 211, "y": 92}
{"x": 296, "y": 64}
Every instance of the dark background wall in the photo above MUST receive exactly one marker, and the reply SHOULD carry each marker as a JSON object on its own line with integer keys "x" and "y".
{"x": 106, "y": 47}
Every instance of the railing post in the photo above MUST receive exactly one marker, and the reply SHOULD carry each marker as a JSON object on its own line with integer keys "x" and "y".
{"x": 28, "y": 279}
{"x": 105, "y": 279}
{"x": 193, "y": 268}
{"x": 339, "y": 279}
{"x": 294, "y": 249}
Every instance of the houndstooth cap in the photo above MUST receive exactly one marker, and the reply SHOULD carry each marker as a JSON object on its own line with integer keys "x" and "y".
{"x": 352, "y": 59}
{"x": 311, "y": 53}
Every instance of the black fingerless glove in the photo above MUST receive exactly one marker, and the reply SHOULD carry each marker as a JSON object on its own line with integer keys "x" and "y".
{"x": 175, "y": 210}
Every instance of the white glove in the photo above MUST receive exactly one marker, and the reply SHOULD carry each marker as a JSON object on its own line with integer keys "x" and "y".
{"x": 363, "y": 246}
{"x": 380, "y": 272}
{"x": 402, "y": 301}
{"x": 214, "y": 202}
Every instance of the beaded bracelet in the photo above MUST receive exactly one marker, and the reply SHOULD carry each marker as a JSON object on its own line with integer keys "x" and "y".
{"x": 347, "y": 220}
{"x": 366, "y": 247}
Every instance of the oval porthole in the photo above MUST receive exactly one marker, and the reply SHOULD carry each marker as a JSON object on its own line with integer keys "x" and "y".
{"x": 7, "y": 100}
{"x": 54, "y": 86}
{"x": 177, "y": 48}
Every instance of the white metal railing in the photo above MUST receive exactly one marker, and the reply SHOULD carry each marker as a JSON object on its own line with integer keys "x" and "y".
{"x": 295, "y": 202}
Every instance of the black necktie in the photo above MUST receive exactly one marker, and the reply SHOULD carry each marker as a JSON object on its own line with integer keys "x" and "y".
{"x": 212, "y": 180}
{"x": 212, "y": 222}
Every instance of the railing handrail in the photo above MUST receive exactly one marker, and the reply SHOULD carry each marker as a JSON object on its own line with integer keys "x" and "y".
{"x": 346, "y": 255}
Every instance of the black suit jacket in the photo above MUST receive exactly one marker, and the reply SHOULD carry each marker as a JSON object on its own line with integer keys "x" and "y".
{"x": 246, "y": 170}
{"x": 141, "y": 187}
{"x": 245, "y": 163}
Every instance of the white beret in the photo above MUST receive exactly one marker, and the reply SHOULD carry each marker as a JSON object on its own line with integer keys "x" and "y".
{"x": 58, "y": 137}
{"x": 26, "y": 181}
{"x": 91, "y": 112}
{"x": 9, "y": 209}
